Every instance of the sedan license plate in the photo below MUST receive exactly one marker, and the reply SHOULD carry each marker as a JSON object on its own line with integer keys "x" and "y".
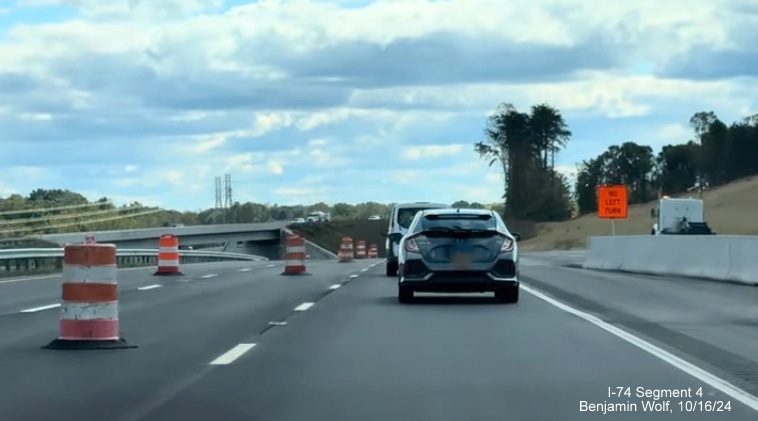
{"x": 462, "y": 261}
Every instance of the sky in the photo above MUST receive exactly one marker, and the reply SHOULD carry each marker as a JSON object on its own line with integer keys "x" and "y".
{"x": 302, "y": 101}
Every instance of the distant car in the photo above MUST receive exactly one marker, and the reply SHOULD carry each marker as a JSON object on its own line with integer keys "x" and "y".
{"x": 374, "y": 218}
{"x": 179, "y": 226}
{"x": 298, "y": 221}
{"x": 401, "y": 217}
{"x": 458, "y": 250}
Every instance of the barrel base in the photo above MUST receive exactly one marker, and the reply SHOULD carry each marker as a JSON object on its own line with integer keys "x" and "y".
{"x": 88, "y": 345}
{"x": 158, "y": 273}
{"x": 296, "y": 274}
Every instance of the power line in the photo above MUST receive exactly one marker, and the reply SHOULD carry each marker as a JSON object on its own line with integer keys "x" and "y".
{"x": 71, "y": 224}
{"x": 33, "y": 210}
{"x": 69, "y": 216}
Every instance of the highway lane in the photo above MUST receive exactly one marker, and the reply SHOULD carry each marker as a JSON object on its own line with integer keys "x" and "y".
{"x": 180, "y": 329}
{"x": 710, "y": 323}
{"x": 359, "y": 355}
{"x": 36, "y": 293}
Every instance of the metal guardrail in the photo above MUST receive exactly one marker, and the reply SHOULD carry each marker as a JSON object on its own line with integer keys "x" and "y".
{"x": 14, "y": 262}
{"x": 42, "y": 253}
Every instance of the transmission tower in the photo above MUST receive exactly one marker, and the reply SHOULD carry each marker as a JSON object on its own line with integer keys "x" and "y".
{"x": 227, "y": 191}
{"x": 219, "y": 202}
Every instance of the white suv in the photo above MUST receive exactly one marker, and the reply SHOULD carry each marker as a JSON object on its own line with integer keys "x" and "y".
{"x": 400, "y": 219}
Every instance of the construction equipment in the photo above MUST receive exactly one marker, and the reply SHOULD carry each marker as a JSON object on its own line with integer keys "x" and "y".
{"x": 319, "y": 216}
{"x": 682, "y": 216}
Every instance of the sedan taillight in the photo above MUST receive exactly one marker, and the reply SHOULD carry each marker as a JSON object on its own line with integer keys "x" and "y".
{"x": 507, "y": 245}
{"x": 410, "y": 245}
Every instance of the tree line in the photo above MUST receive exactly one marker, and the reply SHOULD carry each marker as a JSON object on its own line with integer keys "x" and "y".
{"x": 524, "y": 145}
{"x": 717, "y": 154}
{"x": 46, "y": 211}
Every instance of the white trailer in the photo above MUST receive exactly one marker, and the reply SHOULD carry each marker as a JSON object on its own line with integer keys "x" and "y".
{"x": 679, "y": 217}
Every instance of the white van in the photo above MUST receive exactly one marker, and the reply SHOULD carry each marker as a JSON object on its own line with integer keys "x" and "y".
{"x": 400, "y": 219}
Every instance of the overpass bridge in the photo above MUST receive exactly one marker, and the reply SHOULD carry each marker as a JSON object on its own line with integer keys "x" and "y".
{"x": 262, "y": 239}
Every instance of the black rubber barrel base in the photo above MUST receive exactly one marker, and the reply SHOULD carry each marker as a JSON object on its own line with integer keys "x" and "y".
{"x": 296, "y": 274}
{"x": 168, "y": 274}
{"x": 88, "y": 345}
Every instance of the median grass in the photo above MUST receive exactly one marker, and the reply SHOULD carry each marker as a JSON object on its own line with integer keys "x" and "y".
{"x": 729, "y": 210}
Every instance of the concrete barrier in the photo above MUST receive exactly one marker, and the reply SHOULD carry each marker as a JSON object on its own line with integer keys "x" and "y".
{"x": 725, "y": 257}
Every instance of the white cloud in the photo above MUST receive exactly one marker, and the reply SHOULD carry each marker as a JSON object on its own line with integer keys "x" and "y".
{"x": 336, "y": 100}
{"x": 207, "y": 144}
{"x": 134, "y": 9}
{"x": 674, "y": 133}
{"x": 414, "y": 153}
{"x": 265, "y": 123}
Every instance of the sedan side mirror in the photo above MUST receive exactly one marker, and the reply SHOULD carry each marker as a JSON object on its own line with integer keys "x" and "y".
{"x": 516, "y": 236}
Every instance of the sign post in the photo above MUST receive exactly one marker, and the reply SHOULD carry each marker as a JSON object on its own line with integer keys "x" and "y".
{"x": 612, "y": 203}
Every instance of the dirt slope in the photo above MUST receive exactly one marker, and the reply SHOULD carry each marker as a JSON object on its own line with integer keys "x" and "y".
{"x": 729, "y": 210}
{"x": 329, "y": 234}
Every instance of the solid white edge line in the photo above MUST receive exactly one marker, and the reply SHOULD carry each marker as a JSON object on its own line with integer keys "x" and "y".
{"x": 229, "y": 356}
{"x": 149, "y": 287}
{"x": 34, "y": 278}
{"x": 714, "y": 381}
{"x": 304, "y": 306}
{"x": 335, "y": 286}
{"x": 36, "y": 309}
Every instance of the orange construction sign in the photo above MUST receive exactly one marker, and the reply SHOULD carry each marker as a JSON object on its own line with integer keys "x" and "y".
{"x": 612, "y": 202}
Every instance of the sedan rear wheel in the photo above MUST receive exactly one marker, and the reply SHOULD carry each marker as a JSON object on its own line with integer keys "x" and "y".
{"x": 404, "y": 294}
{"x": 507, "y": 295}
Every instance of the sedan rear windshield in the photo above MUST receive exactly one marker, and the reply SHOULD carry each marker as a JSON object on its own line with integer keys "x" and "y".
{"x": 458, "y": 221}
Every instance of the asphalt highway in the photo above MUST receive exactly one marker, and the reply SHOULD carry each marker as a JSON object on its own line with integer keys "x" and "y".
{"x": 341, "y": 348}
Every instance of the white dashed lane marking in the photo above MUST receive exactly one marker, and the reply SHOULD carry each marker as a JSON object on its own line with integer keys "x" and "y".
{"x": 304, "y": 306}
{"x": 232, "y": 354}
{"x": 210, "y": 275}
{"x": 239, "y": 350}
{"x": 42, "y": 308}
{"x": 149, "y": 287}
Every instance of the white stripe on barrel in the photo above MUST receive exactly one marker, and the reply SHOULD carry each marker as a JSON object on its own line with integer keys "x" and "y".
{"x": 295, "y": 255}
{"x": 89, "y": 306}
